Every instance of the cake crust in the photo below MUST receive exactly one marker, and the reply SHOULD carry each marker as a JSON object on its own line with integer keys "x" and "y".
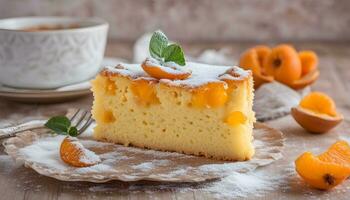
{"x": 199, "y": 78}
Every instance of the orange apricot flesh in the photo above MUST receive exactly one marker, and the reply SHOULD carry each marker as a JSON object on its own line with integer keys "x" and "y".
{"x": 260, "y": 79}
{"x": 262, "y": 52}
{"x": 211, "y": 95}
{"x": 315, "y": 123}
{"x": 327, "y": 170}
{"x": 144, "y": 91}
{"x": 319, "y": 103}
{"x": 317, "y": 113}
{"x": 110, "y": 87}
{"x": 72, "y": 153}
{"x": 309, "y": 61}
{"x": 159, "y": 72}
{"x": 253, "y": 59}
{"x": 235, "y": 118}
{"x": 339, "y": 153}
{"x": 283, "y": 64}
{"x": 249, "y": 60}
{"x": 306, "y": 80}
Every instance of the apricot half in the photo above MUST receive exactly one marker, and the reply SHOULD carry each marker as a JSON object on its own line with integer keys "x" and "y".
{"x": 253, "y": 59}
{"x": 306, "y": 80}
{"x": 156, "y": 70}
{"x": 73, "y": 153}
{"x": 319, "y": 103}
{"x": 283, "y": 64}
{"x": 309, "y": 61}
{"x": 317, "y": 113}
{"x": 326, "y": 170}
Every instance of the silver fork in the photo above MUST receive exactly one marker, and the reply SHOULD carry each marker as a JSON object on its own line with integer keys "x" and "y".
{"x": 81, "y": 119}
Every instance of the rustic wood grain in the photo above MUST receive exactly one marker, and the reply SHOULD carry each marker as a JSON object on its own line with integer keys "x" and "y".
{"x": 23, "y": 183}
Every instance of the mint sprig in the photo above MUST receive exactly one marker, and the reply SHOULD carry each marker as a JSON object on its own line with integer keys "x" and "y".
{"x": 157, "y": 44}
{"x": 62, "y": 126}
{"x": 161, "y": 50}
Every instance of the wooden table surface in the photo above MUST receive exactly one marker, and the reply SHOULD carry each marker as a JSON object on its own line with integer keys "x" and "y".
{"x": 18, "y": 182}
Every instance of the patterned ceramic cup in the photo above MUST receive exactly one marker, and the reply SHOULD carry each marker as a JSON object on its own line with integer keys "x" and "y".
{"x": 69, "y": 51}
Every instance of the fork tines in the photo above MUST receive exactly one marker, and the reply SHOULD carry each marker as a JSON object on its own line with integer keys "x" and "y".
{"x": 81, "y": 119}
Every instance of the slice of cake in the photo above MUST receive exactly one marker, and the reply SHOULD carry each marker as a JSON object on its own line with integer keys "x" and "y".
{"x": 207, "y": 111}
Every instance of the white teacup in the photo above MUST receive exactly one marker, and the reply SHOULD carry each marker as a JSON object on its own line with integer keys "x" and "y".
{"x": 47, "y": 59}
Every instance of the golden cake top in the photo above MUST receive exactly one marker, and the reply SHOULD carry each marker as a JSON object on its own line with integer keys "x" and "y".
{"x": 201, "y": 74}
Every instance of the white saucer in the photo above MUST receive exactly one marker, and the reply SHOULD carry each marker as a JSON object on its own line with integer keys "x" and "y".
{"x": 52, "y": 95}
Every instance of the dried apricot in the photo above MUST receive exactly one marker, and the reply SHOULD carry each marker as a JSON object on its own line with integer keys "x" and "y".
{"x": 309, "y": 61}
{"x": 73, "y": 153}
{"x": 283, "y": 64}
{"x": 326, "y": 170}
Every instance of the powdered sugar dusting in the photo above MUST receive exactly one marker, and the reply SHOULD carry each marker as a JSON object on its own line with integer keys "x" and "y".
{"x": 244, "y": 184}
{"x": 151, "y": 165}
{"x": 45, "y": 151}
{"x": 169, "y": 67}
{"x": 201, "y": 73}
{"x": 87, "y": 156}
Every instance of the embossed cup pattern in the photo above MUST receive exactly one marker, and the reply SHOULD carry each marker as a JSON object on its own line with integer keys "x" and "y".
{"x": 43, "y": 60}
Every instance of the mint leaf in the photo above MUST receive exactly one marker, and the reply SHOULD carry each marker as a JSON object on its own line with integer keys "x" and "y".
{"x": 157, "y": 44}
{"x": 174, "y": 54}
{"x": 58, "y": 124}
{"x": 61, "y": 125}
{"x": 72, "y": 131}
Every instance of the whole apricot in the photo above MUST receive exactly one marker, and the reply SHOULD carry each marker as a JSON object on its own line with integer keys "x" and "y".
{"x": 283, "y": 64}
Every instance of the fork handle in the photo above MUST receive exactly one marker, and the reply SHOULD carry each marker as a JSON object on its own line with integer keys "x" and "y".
{"x": 13, "y": 130}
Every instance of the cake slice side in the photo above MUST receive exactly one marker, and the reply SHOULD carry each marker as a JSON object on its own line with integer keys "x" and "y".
{"x": 149, "y": 114}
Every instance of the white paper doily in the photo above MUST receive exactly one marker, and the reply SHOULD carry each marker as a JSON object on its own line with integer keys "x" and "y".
{"x": 134, "y": 164}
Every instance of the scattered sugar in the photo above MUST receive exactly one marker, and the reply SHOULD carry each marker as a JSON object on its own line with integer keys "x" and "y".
{"x": 345, "y": 137}
{"x": 46, "y": 152}
{"x": 225, "y": 167}
{"x": 179, "y": 172}
{"x": 95, "y": 169}
{"x": 150, "y": 165}
{"x": 88, "y": 157}
{"x": 169, "y": 67}
{"x": 128, "y": 70}
{"x": 244, "y": 184}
